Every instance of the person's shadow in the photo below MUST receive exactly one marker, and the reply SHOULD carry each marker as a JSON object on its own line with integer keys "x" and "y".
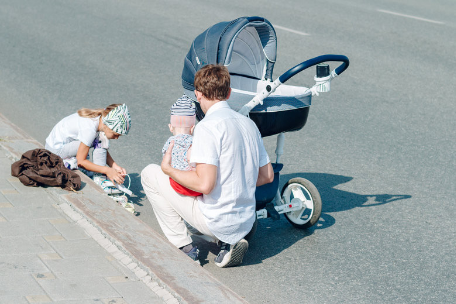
{"x": 272, "y": 237}
{"x": 136, "y": 187}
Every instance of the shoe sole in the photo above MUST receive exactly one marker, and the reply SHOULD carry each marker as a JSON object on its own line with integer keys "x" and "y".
{"x": 237, "y": 255}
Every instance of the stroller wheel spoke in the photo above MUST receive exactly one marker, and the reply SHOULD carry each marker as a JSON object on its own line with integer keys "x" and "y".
{"x": 298, "y": 193}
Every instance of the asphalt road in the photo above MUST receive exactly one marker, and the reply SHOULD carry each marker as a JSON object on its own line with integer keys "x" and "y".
{"x": 379, "y": 147}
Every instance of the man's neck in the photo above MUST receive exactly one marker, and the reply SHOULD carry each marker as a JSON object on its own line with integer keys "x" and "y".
{"x": 209, "y": 103}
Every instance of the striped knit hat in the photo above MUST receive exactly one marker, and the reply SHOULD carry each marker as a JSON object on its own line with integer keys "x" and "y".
{"x": 183, "y": 112}
{"x": 118, "y": 120}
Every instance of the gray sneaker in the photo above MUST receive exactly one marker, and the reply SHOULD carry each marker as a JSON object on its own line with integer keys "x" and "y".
{"x": 231, "y": 255}
{"x": 191, "y": 251}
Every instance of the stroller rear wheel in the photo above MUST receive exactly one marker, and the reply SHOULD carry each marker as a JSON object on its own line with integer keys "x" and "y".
{"x": 301, "y": 189}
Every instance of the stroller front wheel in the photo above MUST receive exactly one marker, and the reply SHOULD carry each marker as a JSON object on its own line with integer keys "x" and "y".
{"x": 302, "y": 189}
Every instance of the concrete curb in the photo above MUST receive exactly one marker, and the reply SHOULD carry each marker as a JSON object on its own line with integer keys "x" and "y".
{"x": 160, "y": 265}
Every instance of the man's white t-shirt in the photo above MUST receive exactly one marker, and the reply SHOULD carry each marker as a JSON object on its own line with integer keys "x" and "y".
{"x": 71, "y": 128}
{"x": 231, "y": 142}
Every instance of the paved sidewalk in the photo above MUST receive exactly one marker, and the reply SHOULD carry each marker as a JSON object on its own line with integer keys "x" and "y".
{"x": 45, "y": 256}
{"x": 81, "y": 247}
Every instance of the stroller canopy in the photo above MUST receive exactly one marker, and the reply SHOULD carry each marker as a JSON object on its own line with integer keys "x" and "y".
{"x": 247, "y": 46}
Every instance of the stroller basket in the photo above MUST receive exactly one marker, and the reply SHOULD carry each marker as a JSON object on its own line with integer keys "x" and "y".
{"x": 272, "y": 123}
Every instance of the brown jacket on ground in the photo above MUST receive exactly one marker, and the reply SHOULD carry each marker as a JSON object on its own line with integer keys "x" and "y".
{"x": 41, "y": 167}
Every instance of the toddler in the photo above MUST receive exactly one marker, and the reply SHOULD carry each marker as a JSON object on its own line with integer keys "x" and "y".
{"x": 181, "y": 125}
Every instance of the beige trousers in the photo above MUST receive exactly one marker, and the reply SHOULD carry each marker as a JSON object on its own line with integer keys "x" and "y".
{"x": 172, "y": 208}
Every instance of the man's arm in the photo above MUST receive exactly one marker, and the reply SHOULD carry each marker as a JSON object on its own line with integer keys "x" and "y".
{"x": 202, "y": 180}
{"x": 265, "y": 175}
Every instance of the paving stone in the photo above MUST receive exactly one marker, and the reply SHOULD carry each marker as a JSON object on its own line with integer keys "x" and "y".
{"x": 137, "y": 292}
{"x": 50, "y": 256}
{"x": 14, "y": 300}
{"x": 70, "y": 231}
{"x": 140, "y": 273}
{"x": 26, "y": 228}
{"x": 54, "y": 238}
{"x": 29, "y": 199}
{"x": 82, "y": 267}
{"x": 59, "y": 221}
{"x": 4, "y": 184}
{"x": 5, "y": 163}
{"x": 23, "y": 245}
{"x": 172, "y": 301}
{"x": 117, "y": 279}
{"x": 21, "y": 188}
{"x": 126, "y": 260}
{"x": 9, "y": 191}
{"x": 44, "y": 276}
{"x": 121, "y": 268}
{"x": 114, "y": 301}
{"x": 38, "y": 241}
{"x": 24, "y": 263}
{"x": 111, "y": 248}
{"x": 19, "y": 284}
{"x": 38, "y": 299}
{"x": 5, "y": 166}
{"x": 111, "y": 258}
{"x": 132, "y": 266}
{"x": 31, "y": 213}
{"x": 79, "y": 289}
{"x": 91, "y": 301}
{"x": 79, "y": 248}
{"x": 6, "y": 205}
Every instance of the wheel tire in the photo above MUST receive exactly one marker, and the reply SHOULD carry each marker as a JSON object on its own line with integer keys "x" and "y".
{"x": 304, "y": 190}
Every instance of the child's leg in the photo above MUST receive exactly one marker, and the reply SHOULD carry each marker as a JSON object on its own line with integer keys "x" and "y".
{"x": 69, "y": 150}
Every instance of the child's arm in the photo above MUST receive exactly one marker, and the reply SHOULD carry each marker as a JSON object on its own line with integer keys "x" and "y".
{"x": 110, "y": 161}
{"x": 83, "y": 162}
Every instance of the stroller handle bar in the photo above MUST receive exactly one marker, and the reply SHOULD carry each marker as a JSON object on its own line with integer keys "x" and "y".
{"x": 314, "y": 61}
{"x": 258, "y": 99}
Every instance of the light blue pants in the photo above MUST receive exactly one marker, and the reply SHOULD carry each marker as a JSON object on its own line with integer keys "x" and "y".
{"x": 71, "y": 149}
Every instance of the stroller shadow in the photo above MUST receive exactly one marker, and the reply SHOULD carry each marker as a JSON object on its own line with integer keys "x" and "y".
{"x": 335, "y": 200}
{"x": 272, "y": 237}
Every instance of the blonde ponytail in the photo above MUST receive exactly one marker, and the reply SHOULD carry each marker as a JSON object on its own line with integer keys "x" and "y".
{"x": 92, "y": 113}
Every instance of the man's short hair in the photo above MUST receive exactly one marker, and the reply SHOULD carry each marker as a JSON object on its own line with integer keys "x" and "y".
{"x": 213, "y": 81}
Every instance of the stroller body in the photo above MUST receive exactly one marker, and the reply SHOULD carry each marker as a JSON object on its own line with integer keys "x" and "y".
{"x": 247, "y": 46}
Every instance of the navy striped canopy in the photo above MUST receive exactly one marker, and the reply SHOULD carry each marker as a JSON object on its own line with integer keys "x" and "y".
{"x": 247, "y": 46}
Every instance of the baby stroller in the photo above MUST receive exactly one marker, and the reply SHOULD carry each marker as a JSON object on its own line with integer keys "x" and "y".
{"x": 247, "y": 47}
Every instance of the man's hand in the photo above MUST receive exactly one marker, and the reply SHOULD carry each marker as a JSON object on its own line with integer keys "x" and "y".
{"x": 202, "y": 179}
{"x": 166, "y": 161}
